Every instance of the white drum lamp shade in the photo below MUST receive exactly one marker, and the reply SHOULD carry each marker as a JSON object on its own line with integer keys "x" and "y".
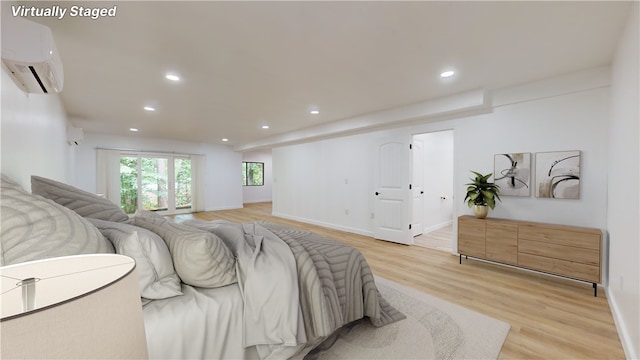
{"x": 86, "y": 307}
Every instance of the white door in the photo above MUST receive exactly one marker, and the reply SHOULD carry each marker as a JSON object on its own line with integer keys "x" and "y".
{"x": 392, "y": 221}
{"x": 417, "y": 191}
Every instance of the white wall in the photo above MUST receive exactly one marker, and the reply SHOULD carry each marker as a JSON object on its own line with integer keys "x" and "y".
{"x": 566, "y": 113}
{"x": 438, "y": 152}
{"x": 223, "y": 173}
{"x": 254, "y": 194}
{"x": 575, "y": 121}
{"x": 623, "y": 215}
{"x": 34, "y": 136}
{"x": 326, "y": 182}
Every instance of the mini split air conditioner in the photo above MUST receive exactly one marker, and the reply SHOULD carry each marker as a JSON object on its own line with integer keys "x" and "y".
{"x": 30, "y": 55}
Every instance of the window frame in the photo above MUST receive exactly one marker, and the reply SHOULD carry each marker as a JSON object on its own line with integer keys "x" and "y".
{"x": 245, "y": 175}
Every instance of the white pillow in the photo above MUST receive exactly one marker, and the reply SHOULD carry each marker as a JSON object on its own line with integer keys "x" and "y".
{"x": 156, "y": 277}
{"x": 36, "y": 228}
{"x": 200, "y": 258}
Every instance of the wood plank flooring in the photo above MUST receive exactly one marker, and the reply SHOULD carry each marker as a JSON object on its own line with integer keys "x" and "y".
{"x": 440, "y": 239}
{"x": 551, "y": 318}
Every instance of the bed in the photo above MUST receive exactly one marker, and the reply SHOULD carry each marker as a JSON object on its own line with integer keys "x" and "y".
{"x": 209, "y": 289}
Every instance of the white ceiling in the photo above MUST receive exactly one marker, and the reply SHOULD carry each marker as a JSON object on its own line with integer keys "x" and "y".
{"x": 246, "y": 64}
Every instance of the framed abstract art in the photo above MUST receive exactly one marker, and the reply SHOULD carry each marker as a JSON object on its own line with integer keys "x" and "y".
{"x": 558, "y": 174}
{"x": 512, "y": 172}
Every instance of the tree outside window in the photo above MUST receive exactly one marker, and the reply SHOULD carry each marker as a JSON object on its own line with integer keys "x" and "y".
{"x": 252, "y": 174}
{"x": 157, "y": 183}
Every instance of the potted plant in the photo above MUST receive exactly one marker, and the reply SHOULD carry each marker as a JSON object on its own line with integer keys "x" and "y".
{"x": 481, "y": 194}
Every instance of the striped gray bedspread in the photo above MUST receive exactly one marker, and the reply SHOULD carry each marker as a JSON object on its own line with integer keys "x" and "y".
{"x": 335, "y": 281}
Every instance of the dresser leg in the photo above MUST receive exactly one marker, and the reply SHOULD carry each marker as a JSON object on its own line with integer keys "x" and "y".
{"x": 595, "y": 290}
{"x": 460, "y": 258}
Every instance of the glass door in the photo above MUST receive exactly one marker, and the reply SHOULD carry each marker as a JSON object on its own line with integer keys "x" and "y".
{"x": 155, "y": 183}
{"x": 182, "y": 190}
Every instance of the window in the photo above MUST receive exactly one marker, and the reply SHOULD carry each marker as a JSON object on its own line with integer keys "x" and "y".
{"x": 252, "y": 174}
{"x": 159, "y": 183}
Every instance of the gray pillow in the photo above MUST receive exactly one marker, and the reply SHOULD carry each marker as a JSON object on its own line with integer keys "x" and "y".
{"x": 200, "y": 258}
{"x": 36, "y": 228}
{"x": 231, "y": 233}
{"x": 156, "y": 277}
{"x": 84, "y": 203}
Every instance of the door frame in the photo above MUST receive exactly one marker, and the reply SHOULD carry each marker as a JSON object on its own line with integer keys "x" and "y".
{"x": 417, "y": 193}
{"x": 452, "y": 195}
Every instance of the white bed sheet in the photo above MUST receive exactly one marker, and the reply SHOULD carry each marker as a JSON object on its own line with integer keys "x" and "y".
{"x": 201, "y": 324}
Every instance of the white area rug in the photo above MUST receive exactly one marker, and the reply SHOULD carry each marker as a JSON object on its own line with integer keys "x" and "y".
{"x": 433, "y": 329}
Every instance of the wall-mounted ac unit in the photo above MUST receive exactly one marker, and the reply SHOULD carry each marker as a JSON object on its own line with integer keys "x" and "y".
{"x": 30, "y": 55}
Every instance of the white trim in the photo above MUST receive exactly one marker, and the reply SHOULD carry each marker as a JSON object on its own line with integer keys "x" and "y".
{"x": 229, "y": 207}
{"x": 325, "y": 224}
{"x": 437, "y": 227}
{"x": 627, "y": 344}
{"x": 454, "y": 104}
{"x": 257, "y": 201}
{"x": 155, "y": 152}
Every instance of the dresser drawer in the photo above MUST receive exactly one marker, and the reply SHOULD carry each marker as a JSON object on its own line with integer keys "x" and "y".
{"x": 570, "y": 269}
{"x": 569, "y": 253}
{"x": 584, "y": 239}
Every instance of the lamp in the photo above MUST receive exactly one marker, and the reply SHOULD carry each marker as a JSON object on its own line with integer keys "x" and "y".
{"x": 72, "y": 307}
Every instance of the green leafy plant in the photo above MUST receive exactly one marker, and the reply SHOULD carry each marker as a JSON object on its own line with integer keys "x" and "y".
{"x": 482, "y": 192}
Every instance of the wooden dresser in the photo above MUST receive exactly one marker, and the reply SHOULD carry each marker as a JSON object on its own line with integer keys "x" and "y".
{"x": 568, "y": 251}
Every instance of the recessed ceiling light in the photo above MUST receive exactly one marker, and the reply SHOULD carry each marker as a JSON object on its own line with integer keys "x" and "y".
{"x": 314, "y": 112}
{"x": 447, "y": 73}
{"x": 265, "y": 126}
{"x": 133, "y": 129}
{"x": 150, "y": 108}
{"x": 172, "y": 77}
{"x": 225, "y": 139}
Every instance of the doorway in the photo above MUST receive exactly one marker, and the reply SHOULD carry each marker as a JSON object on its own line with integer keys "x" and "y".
{"x": 432, "y": 197}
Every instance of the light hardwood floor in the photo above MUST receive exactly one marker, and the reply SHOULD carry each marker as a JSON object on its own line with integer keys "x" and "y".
{"x": 440, "y": 239}
{"x": 551, "y": 318}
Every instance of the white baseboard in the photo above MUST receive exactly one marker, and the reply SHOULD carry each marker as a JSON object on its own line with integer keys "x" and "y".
{"x": 230, "y": 207}
{"x": 437, "y": 227}
{"x": 257, "y": 201}
{"x": 325, "y": 224}
{"x": 625, "y": 339}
